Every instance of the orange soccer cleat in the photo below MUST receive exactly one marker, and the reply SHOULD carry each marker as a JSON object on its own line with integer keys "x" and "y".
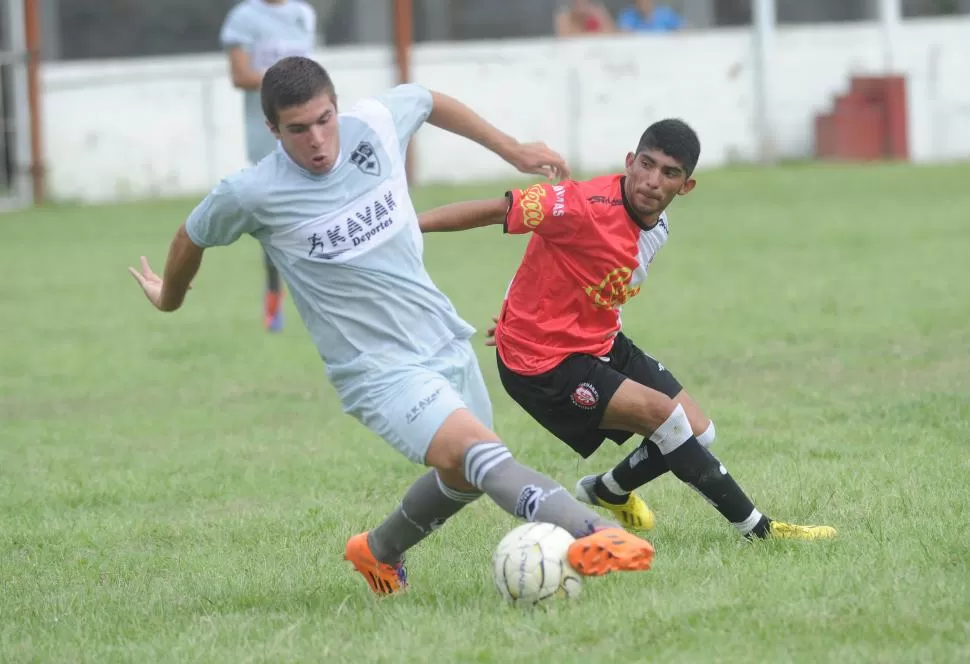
{"x": 382, "y": 578}
{"x": 610, "y": 550}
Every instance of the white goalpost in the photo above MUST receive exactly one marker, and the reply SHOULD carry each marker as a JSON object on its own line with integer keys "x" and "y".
{"x": 890, "y": 15}
{"x": 763, "y": 31}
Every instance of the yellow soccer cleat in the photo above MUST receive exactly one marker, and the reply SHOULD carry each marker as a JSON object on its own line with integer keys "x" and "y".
{"x": 633, "y": 514}
{"x": 782, "y": 530}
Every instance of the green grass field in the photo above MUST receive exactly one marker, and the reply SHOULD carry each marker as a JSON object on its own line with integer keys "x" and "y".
{"x": 179, "y": 488}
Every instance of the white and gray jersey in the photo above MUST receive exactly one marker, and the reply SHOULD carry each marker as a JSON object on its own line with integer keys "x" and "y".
{"x": 346, "y": 242}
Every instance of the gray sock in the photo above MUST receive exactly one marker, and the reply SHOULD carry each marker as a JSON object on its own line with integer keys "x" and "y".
{"x": 426, "y": 505}
{"x": 526, "y": 493}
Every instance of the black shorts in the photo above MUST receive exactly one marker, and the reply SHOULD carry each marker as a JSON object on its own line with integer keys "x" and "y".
{"x": 570, "y": 400}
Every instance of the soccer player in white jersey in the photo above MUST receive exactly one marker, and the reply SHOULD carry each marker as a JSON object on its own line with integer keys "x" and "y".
{"x": 256, "y": 34}
{"x": 560, "y": 350}
{"x": 331, "y": 208}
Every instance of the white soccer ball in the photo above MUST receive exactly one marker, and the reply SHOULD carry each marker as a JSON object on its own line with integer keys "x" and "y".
{"x": 530, "y": 565}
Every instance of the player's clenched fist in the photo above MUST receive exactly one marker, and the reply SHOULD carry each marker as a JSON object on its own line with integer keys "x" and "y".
{"x": 539, "y": 159}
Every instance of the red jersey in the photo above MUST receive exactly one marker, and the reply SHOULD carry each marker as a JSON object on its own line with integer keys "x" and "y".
{"x": 586, "y": 258}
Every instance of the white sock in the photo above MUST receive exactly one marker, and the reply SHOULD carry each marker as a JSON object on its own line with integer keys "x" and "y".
{"x": 746, "y": 526}
{"x": 612, "y": 486}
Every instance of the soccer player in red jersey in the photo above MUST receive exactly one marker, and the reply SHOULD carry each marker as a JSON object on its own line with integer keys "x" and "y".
{"x": 561, "y": 353}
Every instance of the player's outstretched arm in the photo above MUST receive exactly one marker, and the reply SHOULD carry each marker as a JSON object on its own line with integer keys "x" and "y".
{"x": 184, "y": 259}
{"x": 464, "y": 216}
{"x": 535, "y": 158}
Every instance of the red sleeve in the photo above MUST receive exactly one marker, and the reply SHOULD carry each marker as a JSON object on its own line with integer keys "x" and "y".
{"x": 553, "y": 211}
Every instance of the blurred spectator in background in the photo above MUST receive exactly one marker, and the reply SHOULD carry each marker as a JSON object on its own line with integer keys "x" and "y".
{"x": 646, "y": 16}
{"x": 581, "y": 17}
{"x": 257, "y": 34}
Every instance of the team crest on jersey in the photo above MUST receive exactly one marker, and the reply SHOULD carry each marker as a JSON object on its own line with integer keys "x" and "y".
{"x": 365, "y": 158}
{"x": 614, "y": 290}
{"x": 585, "y": 396}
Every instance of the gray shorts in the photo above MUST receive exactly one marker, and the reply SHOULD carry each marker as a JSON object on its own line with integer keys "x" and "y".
{"x": 407, "y": 405}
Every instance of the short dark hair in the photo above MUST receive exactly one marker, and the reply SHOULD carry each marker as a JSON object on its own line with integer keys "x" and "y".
{"x": 674, "y": 138}
{"x": 290, "y": 82}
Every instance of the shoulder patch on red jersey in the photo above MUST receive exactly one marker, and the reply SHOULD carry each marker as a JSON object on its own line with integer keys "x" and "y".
{"x": 531, "y": 204}
{"x": 534, "y": 206}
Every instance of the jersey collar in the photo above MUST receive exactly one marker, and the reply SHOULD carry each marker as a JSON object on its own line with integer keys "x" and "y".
{"x": 629, "y": 209}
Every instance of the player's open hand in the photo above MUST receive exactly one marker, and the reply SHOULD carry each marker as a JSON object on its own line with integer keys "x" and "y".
{"x": 150, "y": 282}
{"x": 539, "y": 159}
{"x": 490, "y": 332}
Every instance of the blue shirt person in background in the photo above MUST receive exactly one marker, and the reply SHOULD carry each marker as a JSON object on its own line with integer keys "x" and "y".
{"x": 256, "y": 35}
{"x": 647, "y": 16}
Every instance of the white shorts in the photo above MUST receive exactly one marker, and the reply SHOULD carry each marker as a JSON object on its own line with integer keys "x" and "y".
{"x": 407, "y": 405}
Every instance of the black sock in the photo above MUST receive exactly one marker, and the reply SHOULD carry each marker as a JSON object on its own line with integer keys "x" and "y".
{"x": 693, "y": 463}
{"x": 643, "y": 465}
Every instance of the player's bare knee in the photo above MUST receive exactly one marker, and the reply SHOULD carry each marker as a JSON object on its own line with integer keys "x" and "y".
{"x": 638, "y": 409}
{"x": 448, "y": 456}
{"x": 654, "y": 409}
{"x": 457, "y": 434}
{"x": 455, "y": 479}
{"x": 707, "y": 435}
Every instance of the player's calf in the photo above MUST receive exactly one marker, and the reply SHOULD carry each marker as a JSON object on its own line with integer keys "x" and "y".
{"x": 635, "y": 406}
{"x": 379, "y": 554}
{"x": 487, "y": 465}
{"x": 601, "y": 545}
{"x": 646, "y": 463}
{"x": 425, "y": 507}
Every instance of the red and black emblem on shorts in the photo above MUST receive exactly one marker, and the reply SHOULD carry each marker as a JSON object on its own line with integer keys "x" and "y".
{"x": 585, "y": 396}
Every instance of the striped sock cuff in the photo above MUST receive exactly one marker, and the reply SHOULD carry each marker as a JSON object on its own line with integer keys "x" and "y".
{"x": 481, "y": 458}
{"x": 746, "y": 526}
{"x": 463, "y": 497}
